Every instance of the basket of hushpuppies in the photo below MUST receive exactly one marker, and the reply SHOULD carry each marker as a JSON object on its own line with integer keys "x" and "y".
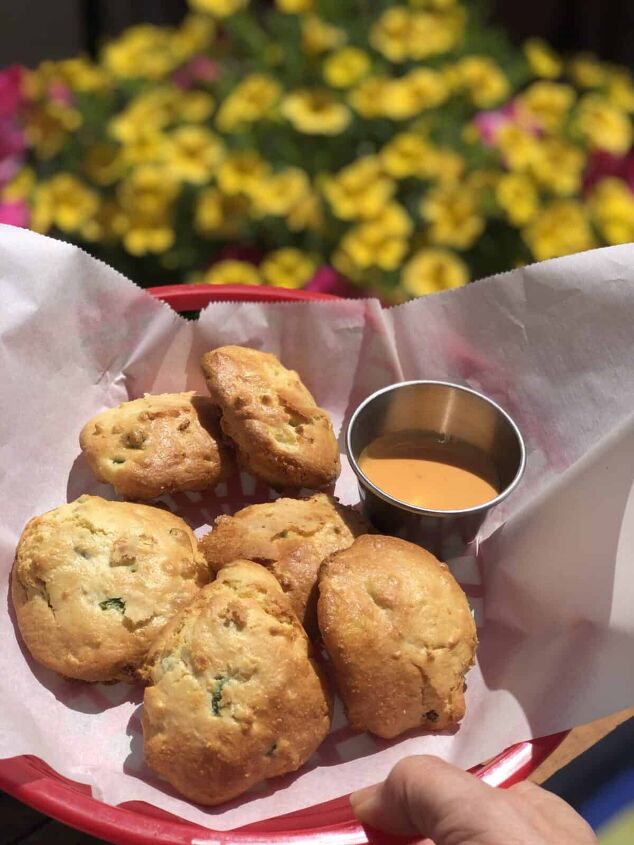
{"x": 226, "y": 633}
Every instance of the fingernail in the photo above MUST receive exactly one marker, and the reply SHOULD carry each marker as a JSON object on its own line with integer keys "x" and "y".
{"x": 362, "y": 800}
{"x": 361, "y": 795}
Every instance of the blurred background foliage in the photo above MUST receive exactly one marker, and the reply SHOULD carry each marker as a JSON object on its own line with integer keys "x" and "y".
{"x": 365, "y": 147}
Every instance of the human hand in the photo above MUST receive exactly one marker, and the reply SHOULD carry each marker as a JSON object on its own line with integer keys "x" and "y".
{"x": 448, "y": 806}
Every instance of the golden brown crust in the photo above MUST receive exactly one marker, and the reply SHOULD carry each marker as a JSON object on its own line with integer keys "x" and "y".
{"x": 94, "y": 582}
{"x": 281, "y": 435}
{"x": 400, "y": 633}
{"x": 291, "y": 537}
{"x": 158, "y": 444}
{"x": 235, "y": 697}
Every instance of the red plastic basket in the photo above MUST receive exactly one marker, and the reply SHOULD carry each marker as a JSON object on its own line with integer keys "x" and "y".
{"x": 136, "y": 823}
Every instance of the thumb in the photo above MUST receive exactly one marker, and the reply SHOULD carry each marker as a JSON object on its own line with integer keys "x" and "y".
{"x": 421, "y": 795}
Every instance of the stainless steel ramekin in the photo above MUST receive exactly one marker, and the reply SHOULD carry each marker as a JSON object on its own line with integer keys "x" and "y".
{"x": 450, "y": 412}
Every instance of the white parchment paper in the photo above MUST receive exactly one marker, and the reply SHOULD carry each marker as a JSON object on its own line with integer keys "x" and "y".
{"x": 553, "y": 584}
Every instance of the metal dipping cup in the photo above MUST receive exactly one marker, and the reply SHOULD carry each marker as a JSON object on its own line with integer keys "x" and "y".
{"x": 450, "y": 413}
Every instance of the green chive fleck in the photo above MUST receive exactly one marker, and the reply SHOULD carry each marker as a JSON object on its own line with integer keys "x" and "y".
{"x": 113, "y": 604}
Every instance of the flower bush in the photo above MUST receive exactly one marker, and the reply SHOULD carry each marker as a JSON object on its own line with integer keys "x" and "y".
{"x": 409, "y": 147}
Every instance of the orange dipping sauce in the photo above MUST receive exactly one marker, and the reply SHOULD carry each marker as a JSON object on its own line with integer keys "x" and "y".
{"x": 421, "y": 470}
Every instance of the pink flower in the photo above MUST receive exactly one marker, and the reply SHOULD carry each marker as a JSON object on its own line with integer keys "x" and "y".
{"x": 489, "y": 123}
{"x": 327, "y": 280}
{"x": 14, "y": 214}
{"x": 198, "y": 69}
{"x": 602, "y": 164}
{"x": 12, "y": 141}
{"x": 11, "y": 97}
{"x": 205, "y": 69}
{"x": 9, "y": 167}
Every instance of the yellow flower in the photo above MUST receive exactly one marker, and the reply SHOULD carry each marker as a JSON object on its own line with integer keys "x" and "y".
{"x": 106, "y": 225}
{"x": 560, "y": 228}
{"x": 314, "y": 111}
{"x": 433, "y": 270}
{"x": 287, "y": 268}
{"x": 558, "y": 166}
{"x": 295, "y": 7}
{"x": 542, "y": 59}
{"x": 612, "y": 209}
{"x": 408, "y": 154}
{"x": 142, "y": 52}
{"x": 83, "y": 75}
{"x": 547, "y": 103}
{"x": 280, "y": 192}
{"x": 370, "y": 245}
{"x": 394, "y": 220}
{"x": 369, "y": 96}
{"x": 517, "y": 197}
{"x": 195, "y": 106}
{"x": 146, "y": 147}
{"x": 147, "y": 235}
{"x": 232, "y": 272}
{"x": 345, "y": 67}
{"x": 453, "y": 215}
{"x": 20, "y": 186}
{"x": 413, "y": 93}
{"x": 319, "y": 36}
{"x": 359, "y": 190}
{"x": 586, "y": 71}
{"x": 41, "y": 209}
{"x": 429, "y": 86}
{"x": 434, "y": 34}
{"x": 193, "y": 153}
{"x": 240, "y": 172}
{"x": 432, "y": 4}
{"x": 195, "y": 34}
{"x": 620, "y": 89}
{"x": 63, "y": 201}
{"x": 251, "y": 100}
{"x": 401, "y": 100}
{"x": 152, "y": 110}
{"x": 443, "y": 165}
{"x": 146, "y": 197}
{"x": 518, "y": 146}
{"x": 400, "y": 34}
{"x": 103, "y": 164}
{"x": 603, "y": 125}
{"x": 342, "y": 262}
{"x": 48, "y": 126}
{"x": 390, "y": 35}
{"x": 209, "y": 214}
{"x": 218, "y": 8}
{"x": 482, "y": 180}
{"x": 34, "y": 83}
{"x": 80, "y": 74}
{"x": 147, "y": 191}
{"x": 235, "y": 211}
{"x": 404, "y": 154}
{"x": 307, "y": 213}
{"x": 481, "y": 79}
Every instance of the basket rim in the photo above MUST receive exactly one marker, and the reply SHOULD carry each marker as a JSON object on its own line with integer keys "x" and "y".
{"x": 33, "y": 782}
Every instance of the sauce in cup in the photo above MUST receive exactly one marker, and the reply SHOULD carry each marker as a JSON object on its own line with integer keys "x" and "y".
{"x": 428, "y": 472}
